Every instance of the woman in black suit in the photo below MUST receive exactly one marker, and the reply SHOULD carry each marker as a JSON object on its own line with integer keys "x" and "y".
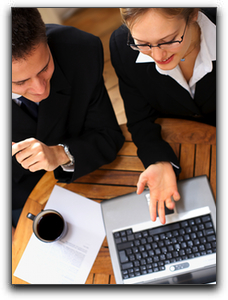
{"x": 165, "y": 59}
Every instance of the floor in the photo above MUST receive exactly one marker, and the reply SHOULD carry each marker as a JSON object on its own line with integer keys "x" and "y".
{"x": 102, "y": 22}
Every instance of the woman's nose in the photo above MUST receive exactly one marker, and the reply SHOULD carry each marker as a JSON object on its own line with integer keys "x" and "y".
{"x": 158, "y": 54}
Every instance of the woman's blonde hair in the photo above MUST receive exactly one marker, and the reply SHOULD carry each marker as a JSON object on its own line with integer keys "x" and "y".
{"x": 131, "y": 15}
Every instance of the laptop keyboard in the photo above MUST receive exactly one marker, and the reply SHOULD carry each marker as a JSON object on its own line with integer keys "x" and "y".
{"x": 148, "y": 251}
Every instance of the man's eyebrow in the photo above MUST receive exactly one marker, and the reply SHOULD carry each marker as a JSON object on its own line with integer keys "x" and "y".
{"x": 161, "y": 38}
{"x": 46, "y": 64}
{"x": 24, "y": 80}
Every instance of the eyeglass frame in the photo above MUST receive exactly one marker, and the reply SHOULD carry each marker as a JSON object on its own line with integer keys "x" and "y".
{"x": 158, "y": 45}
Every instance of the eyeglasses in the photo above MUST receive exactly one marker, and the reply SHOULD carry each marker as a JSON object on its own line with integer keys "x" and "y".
{"x": 148, "y": 47}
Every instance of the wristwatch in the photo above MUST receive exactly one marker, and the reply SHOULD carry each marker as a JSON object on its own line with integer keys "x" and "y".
{"x": 71, "y": 158}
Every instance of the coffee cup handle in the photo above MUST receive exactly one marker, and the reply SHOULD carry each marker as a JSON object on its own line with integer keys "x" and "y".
{"x": 30, "y": 216}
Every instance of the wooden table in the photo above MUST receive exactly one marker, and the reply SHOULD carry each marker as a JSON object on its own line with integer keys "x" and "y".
{"x": 195, "y": 146}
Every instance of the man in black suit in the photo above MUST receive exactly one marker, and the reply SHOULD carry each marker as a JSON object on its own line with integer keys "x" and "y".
{"x": 59, "y": 69}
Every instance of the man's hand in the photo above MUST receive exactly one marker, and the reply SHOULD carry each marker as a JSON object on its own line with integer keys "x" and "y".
{"x": 34, "y": 155}
{"x": 161, "y": 180}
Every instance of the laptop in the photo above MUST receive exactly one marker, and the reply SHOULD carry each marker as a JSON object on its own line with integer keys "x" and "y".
{"x": 183, "y": 251}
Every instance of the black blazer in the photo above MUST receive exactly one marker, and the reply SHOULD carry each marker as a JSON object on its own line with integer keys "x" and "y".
{"x": 147, "y": 95}
{"x": 78, "y": 111}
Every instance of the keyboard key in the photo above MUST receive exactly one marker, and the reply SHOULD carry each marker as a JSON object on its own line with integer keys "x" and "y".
{"x": 138, "y": 256}
{"x": 169, "y": 234}
{"x": 137, "y": 243}
{"x": 191, "y": 222}
{"x": 201, "y": 227}
{"x": 162, "y": 236}
{"x": 145, "y": 254}
{"x": 157, "y": 251}
{"x": 156, "y": 238}
{"x": 149, "y": 239}
{"x": 132, "y": 257}
{"x": 148, "y": 247}
{"x": 123, "y": 257}
{"x": 123, "y": 233}
{"x": 130, "y": 237}
{"x": 201, "y": 248}
{"x": 127, "y": 265}
{"x": 135, "y": 250}
{"x": 143, "y": 241}
{"x": 198, "y": 221}
{"x": 211, "y": 238}
{"x": 125, "y": 245}
{"x": 154, "y": 245}
{"x": 188, "y": 230}
{"x": 184, "y": 224}
{"x": 149, "y": 260}
{"x": 195, "y": 249}
{"x": 141, "y": 248}
{"x": 209, "y": 231}
{"x": 175, "y": 233}
{"x": 136, "y": 263}
{"x": 206, "y": 218}
{"x": 194, "y": 228}
{"x": 138, "y": 235}
{"x": 199, "y": 234}
{"x": 165, "y": 228}
{"x": 208, "y": 225}
{"x": 145, "y": 234}
{"x": 208, "y": 246}
{"x": 118, "y": 240}
{"x": 129, "y": 231}
{"x": 129, "y": 251}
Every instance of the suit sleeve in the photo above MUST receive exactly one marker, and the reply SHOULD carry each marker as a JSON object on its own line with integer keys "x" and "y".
{"x": 100, "y": 138}
{"x": 140, "y": 114}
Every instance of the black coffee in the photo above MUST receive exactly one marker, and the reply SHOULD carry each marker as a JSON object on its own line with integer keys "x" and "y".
{"x": 50, "y": 226}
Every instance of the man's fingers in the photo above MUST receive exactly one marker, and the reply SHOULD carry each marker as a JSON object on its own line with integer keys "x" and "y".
{"x": 15, "y": 149}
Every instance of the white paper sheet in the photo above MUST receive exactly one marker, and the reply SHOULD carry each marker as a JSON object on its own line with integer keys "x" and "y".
{"x": 70, "y": 260}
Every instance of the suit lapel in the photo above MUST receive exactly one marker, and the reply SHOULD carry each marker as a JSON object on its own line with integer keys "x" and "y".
{"x": 50, "y": 109}
{"x": 173, "y": 89}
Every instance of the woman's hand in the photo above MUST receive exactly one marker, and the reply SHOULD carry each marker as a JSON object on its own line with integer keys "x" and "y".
{"x": 35, "y": 155}
{"x": 161, "y": 180}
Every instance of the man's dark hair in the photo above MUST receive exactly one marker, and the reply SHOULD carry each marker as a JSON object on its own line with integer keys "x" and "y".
{"x": 28, "y": 30}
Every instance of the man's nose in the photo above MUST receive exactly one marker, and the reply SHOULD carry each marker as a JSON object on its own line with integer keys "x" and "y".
{"x": 38, "y": 85}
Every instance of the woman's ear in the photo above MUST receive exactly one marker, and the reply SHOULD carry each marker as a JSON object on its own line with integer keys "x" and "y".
{"x": 195, "y": 16}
